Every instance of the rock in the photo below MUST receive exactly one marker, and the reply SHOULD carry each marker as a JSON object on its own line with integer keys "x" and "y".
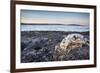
{"x": 74, "y": 54}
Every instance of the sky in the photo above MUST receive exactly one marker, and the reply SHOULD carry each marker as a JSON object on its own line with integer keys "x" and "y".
{"x": 54, "y": 17}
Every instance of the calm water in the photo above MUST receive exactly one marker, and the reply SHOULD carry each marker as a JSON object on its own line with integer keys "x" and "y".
{"x": 54, "y": 28}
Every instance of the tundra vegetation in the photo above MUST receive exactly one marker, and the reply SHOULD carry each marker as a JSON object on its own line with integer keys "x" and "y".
{"x": 45, "y": 46}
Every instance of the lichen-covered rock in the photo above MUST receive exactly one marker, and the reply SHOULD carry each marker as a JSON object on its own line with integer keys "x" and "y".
{"x": 73, "y": 41}
{"x": 74, "y": 54}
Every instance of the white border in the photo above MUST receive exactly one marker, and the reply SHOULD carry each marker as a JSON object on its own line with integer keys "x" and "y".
{"x": 53, "y": 64}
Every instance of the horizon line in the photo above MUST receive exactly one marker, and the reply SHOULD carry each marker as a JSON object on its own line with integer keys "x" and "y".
{"x": 52, "y": 24}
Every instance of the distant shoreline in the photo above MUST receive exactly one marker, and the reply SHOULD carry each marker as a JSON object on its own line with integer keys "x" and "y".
{"x": 51, "y": 24}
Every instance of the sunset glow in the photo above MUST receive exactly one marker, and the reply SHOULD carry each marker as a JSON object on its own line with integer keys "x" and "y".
{"x": 54, "y": 17}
